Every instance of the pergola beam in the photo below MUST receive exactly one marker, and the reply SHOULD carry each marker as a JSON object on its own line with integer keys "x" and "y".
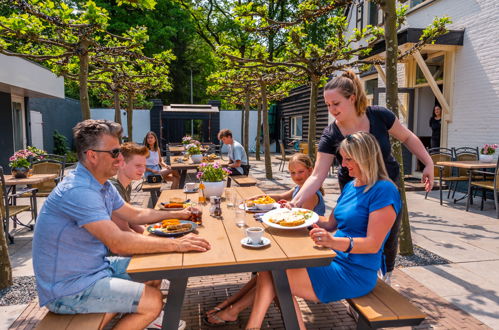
{"x": 382, "y": 75}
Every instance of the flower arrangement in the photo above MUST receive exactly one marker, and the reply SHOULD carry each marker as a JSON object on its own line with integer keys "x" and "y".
{"x": 488, "y": 149}
{"x": 24, "y": 157}
{"x": 186, "y": 140}
{"x": 193, "y": 148}
{"x": 212, "y": 172}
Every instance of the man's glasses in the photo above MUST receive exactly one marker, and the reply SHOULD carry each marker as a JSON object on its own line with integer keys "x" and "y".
{"x": 114, "y": 152}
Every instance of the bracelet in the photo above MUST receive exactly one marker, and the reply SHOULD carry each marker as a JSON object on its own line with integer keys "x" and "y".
{"x": 351, "y": 245}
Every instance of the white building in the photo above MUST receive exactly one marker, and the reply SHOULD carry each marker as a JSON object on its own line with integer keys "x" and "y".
{"x": 463, "y": 69}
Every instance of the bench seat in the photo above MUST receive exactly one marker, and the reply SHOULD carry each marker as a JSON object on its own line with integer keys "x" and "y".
{"x": 242, "y": 180}
{"x": 154, "y": 189}
{"x": 384, "y": 307}
{"x": 53, "y": 321}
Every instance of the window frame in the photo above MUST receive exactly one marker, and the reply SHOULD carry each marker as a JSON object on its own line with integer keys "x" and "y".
{"x": 293, "y": 121}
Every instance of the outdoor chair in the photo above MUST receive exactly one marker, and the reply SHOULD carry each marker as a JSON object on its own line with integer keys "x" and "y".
{"x": 283, "y": 157}
{"x": 490, "y": 183}
{"x": 167, "y": 154}
{"x": 10, "y": 212}
{"x": 443, "y": 173}
{"x": 51, "y": 164}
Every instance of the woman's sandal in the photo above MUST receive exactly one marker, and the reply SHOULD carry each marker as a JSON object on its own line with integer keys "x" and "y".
{"x": 220, "y": 321}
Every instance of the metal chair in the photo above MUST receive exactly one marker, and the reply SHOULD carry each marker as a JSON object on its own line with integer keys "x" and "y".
{"x": 461, "y": 174}
{"x": 491, "y": 183}
{"x": 10, "y": 212}
{"x": 283, "y": 157}
{"x": 50, "y": 164}
{"x": 442, "y": 172}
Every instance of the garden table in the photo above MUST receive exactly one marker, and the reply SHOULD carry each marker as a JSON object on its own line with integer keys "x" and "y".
{"x": 288, "y": 249}
{"x": 186, "y": 165}
{"x": 467, "y": 164}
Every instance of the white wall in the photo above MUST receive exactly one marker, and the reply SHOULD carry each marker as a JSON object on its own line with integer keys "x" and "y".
{"x": 475, "y": 102}
{"x": 28, "y": 79}
{"x": 141, "y": 121}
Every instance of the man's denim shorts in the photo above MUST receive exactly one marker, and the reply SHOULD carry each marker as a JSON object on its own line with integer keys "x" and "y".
{"x": 115, "y": 294}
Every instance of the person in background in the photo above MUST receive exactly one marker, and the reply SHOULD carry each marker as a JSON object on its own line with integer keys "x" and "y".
{"x": 347, "y": 103}
{"x": 237, "y": 156}
{"x": 361, "y": 221}
{"x": 132, "y": 168}
{"x": 435, "y": 124}
{"x": 74, "y": 233}
{"x": 155, "y": 163}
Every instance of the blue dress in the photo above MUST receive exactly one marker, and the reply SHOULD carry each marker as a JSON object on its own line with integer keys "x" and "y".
{"x": 353, "y": 275}
{"x": 320, "y": 207}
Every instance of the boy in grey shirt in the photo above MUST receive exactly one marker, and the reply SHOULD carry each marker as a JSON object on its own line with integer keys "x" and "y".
{"x": 237, "y": 155}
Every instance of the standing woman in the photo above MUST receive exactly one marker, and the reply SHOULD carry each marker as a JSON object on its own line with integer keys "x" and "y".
{"x": 155, "y": 163}
{"x": 435, "y": 124}
{"x": 346, "y": 101}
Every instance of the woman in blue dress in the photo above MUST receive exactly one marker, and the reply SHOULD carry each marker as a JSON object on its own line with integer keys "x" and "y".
{"x": 364, "y": 214}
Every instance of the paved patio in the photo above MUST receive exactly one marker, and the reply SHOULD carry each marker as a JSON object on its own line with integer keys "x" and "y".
{"x": 461, "y": 295}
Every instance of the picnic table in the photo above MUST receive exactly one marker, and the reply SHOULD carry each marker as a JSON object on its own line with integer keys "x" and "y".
{"x": 467, "y": 164}
{"x": 288, "y": 249}
{"x": 185, "y": 165}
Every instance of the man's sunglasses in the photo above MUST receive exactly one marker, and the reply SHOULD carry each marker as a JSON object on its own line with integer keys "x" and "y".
{"x": 114, "y": 152}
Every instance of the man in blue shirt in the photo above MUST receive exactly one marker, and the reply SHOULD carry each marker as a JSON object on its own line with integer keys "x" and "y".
{"x": 74, "y": 232}
{"x": 237, "y": 155}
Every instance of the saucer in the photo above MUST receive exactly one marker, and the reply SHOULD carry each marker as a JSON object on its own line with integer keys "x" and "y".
{"x": 247, "y": 242}
{"x": 190, "y": 190}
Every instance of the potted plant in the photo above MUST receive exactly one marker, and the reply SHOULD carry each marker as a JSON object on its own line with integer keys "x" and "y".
{"x": 194, "y": 150}
{"x": 487, "y": 153}
{"x": 212, "y": 177}
{"x": 21, "y": 161}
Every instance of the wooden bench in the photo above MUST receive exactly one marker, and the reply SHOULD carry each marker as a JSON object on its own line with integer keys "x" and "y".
{"x": 384, "y": 307}
{"x": 53, "y": 321}
{"x": 154, "y": 189}
{"x": 242, "y": 180}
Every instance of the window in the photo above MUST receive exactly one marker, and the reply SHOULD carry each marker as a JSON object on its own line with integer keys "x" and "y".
{"x": 436, "y": 67}
{"x": 296, "y": 127}
{"x": 414, "y": 3}
{"x": 18, "y": 123}
{"x": 375, "y": 16}
{"x": 359, "y": 18}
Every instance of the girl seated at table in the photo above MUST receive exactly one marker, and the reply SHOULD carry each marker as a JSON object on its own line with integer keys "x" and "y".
{"x": 155, "y": 163}
{"x": 300, "y": 167}
{"x": 364, "y": 214}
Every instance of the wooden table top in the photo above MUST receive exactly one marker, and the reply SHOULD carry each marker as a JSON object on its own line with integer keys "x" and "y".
{"x": 34, "y": 179}
{"x": 225, "y": 239}
{"x": 189, "y": 165}
{"x": 469, "y": 164}
{"x": 176, "y": 150}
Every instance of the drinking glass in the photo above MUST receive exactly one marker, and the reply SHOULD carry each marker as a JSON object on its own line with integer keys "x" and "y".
{"x": 240, "y": 217}
{"x": 197, "y": 213}
{"x": 230, "y": 195}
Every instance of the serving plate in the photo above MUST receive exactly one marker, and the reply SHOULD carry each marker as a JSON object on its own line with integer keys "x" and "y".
{"x": 158, "y": 232}
{"x": 255, "y": 209}
{"x": 308, "y": 222}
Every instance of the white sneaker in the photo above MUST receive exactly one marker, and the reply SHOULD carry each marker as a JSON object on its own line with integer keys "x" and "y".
{"x": 158, "y": 323}
{"x": 388, "y": 278}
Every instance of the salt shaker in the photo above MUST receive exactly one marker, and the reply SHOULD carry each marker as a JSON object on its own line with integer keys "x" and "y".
{"x": 217, "y": 212}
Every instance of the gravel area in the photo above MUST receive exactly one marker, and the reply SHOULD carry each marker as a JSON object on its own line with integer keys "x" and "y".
{"x": 21, "y": 292}
{"x": 421, "y": 257}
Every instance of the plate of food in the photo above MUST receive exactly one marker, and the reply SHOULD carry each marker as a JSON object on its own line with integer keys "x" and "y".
{"x": 172, "y": 206}
{"x": 290, "y": 218}
{"x": 172, "y": 227}
{"x": 250, "y": 206}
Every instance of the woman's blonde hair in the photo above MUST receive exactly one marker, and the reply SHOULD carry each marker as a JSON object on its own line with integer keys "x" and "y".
{"x": 349, "y": 84}
{"x": 364, "y": 149}
{"x": 306, "y": 161}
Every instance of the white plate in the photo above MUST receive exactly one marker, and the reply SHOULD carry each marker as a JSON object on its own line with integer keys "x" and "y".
{"x": 247, "y": 242}
{"x": 256, "y": 209}
{"x": 310, "y": 221}
{"x": 187, "y": 191}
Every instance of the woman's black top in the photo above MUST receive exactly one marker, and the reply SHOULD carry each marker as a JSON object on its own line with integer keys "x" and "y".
{"x": 380, "y": 121}
{"x": 435, "y": 125}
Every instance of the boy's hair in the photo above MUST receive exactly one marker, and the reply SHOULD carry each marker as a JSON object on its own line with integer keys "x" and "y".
{"x": 130, "y": 149}
{"x": 306, "y": 161}
{"x": 87, "y": 134}
{"x": 224, "y": 133}
{"x": 364, "y": 149}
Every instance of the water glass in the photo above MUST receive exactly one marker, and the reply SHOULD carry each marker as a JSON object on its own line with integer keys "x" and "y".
{"x": 240, "y": 218}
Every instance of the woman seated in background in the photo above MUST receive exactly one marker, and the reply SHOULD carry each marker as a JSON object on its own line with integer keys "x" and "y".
{"x": 155, "y": 165}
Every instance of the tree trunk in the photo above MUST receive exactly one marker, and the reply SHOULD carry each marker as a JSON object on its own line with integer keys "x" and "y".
{"x": 129, "y": 120}
{"x": 312, "y": 115}
{"x": 246, "y": 122}
{"x": 266, "y": 136}
{"x": 388, "y": 6}
{"x": 5, "y": 266}
{"x": 83, "y": 78}
{"x": 117, "y": 107}
{"x": 258, "y": 131}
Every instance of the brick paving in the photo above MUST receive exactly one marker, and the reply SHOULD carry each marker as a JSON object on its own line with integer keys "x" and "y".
{"x": 205, "y": 292}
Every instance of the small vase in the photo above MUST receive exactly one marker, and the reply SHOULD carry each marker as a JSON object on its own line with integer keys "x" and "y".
{"x": 20, "y": 172}
{"x": 196, "y": 159}
{"x": 213, "y": 189}
{"x": 486, "y": 158}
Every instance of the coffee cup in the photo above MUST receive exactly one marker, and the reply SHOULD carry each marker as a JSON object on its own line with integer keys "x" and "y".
{"x": 190, "y": 186}
{"x": 255, "y": 234}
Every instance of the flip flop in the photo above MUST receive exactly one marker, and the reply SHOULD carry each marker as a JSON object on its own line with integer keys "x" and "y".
{"x": 220, "y": 323}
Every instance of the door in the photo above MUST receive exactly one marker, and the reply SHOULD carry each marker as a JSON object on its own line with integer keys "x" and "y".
{"x": 36, "y": 129}
{"x": 18, "y": 123}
